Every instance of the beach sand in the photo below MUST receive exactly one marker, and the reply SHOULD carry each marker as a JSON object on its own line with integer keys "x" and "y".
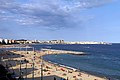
{"x": 49, "y": 71}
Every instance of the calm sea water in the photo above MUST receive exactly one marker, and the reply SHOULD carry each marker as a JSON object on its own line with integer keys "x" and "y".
{"x": 104, "y": 60}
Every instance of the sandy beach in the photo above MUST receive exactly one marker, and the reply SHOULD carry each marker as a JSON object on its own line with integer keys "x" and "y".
{"x": 31, "y": 67}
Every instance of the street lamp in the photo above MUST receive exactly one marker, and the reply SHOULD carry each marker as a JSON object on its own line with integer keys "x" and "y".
{"x": 33, "y": 65}
{"x": 41, "y": 68}
{"x": 33, "y": 71}
{"x": 26, "y": 63}
{"x": 20, "y": 64}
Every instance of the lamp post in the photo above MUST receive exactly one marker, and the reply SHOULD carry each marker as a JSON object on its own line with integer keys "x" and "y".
{"x": 26, "y": 64}
{"x": 20, "y": 64}
{"x": 33, "y": 71}
{"x": 25, "y": 68}
{"x": 41, "y": 69}
{"x": 33, "y": 65}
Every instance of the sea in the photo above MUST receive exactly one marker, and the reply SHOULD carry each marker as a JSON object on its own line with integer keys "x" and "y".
{"x": 102, "y": 60}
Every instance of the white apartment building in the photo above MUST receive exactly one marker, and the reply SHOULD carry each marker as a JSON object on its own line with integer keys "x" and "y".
{"x": 1, "y": 40}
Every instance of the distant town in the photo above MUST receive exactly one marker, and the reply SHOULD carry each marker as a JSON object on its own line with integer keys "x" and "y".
{"x": 23, "y": 41}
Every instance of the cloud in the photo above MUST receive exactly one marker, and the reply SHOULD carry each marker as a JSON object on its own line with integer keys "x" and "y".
{"x": 46, "y": 13}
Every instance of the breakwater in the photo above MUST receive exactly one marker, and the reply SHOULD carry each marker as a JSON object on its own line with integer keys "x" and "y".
{"x": 53, "y": 51}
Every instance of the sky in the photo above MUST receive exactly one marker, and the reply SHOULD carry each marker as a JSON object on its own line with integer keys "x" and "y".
{"x": 70, "y": 20}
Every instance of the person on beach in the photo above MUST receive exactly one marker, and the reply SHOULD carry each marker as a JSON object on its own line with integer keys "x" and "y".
{"x": 20, "y": 78}
{"x": 54, "y": 78}
{"x": 67, "y": 78}
{"x": 62, "y": 79}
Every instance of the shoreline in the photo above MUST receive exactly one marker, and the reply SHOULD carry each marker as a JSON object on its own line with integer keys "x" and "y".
{"x": 53, "y": 69}
{"x": 74, "y": 69}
